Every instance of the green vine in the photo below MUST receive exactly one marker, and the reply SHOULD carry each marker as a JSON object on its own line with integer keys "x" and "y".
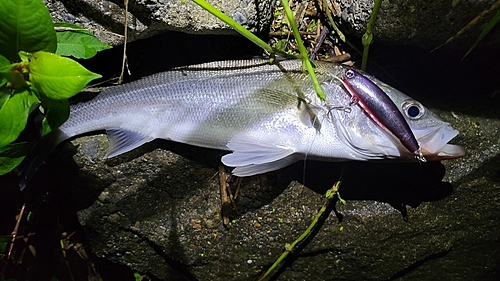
{"x": 330, "y": 196}
{"x": 367, "y": 38}
{"x": 303, "y": 52}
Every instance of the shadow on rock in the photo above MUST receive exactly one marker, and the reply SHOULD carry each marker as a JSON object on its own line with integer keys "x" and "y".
{"x": 398, "y": 184}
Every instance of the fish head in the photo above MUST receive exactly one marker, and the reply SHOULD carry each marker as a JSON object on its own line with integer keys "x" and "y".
{"x": 432, "y": 133}
{"x": 369, "y": 141}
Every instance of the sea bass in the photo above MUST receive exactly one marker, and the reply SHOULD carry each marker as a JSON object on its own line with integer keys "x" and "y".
{"x": 267, "y": 116}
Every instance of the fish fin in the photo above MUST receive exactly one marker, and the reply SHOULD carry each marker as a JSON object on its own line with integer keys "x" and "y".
{"x": 256, "y": 155}
{"x": 250, "y": 170}
{"x": 121, "y": 141}
{"x": 37, "y": 155}
{"x": 308, "y": 116}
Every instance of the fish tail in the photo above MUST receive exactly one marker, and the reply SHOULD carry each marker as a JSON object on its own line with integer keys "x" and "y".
{"x": 37, "y": 155}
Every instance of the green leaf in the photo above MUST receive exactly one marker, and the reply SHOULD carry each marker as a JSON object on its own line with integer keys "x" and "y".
{"x": 14, "y": 113}
{"x": 12, "y": 74}
{"x": 3, "y": 80}
{"x": 15, "y": 150}
{"x": 281, "y": 44}
{"x": 4, "y": 96}
{"x": 3, "y": 61}
{"x": 4, "y": 241}
{"x": 487, "y": 28}
{"x": 8, "y": 164}
{"x": 367, "y": 39}
{"x": 12, "y": 155}
{"x": 26, "y": 26}
{"x": 58, "y": 77}
{"x": 78, "y": 44}
{"x": 312, "y": 26}
{"x": 5, "y": 69}
{"x": 57, "y": 112}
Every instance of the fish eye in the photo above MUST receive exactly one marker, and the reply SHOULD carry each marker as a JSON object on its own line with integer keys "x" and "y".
{"x": 349, "y": 74}
{"x": 413, "y": 109}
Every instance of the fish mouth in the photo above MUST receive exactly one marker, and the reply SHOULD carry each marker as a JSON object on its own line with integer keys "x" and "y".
{"x": 434, "y": 143}
{"x": 449, "y": 151}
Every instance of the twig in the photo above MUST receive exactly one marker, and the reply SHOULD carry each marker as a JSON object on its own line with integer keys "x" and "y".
{"x": 473, "y": 22}
{"x": 224, "y": 209}
{"x": 486, "y": 29}
{"x": 319, "y": 41}
{"x": 336, "y": 29}
{"x": 339, "y": 58}
{"x": 14, "y": 232}
{"x": 238, "y": 185}
{"x": 125, "y": 35}
{"x": 232, "y": 198}
{"x": 66, "y": 245}
{"x": 63, "y": 28}
{"x": 288, "y": 32}
{"x": 300, "y": 11}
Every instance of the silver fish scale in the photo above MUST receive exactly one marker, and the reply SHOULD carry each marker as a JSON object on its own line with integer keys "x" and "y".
{"x": 203, "y": 105}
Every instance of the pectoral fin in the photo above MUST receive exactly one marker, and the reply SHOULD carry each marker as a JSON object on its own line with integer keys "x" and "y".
{"x": 255, "y": 155}
{"x": 121, "y": 141}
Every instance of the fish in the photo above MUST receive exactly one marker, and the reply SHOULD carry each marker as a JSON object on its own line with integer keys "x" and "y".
{"x": 267, "y": 116}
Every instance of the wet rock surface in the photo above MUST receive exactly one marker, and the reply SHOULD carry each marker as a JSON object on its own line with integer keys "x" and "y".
{"x": 421, "y": 23}
{"x": 159, "y": 212}
{"x": 147, "y": 18}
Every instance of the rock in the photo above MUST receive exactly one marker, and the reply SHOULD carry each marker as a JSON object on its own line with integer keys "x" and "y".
{"x": 147, "y": 18}
{"x": 421, "y": 23}
{"x": 159, "y": 213}
{"x": 157, "y": 210}
{"x": 425, "y": 24}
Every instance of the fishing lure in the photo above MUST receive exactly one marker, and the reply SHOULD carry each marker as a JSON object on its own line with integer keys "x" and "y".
{"x": 380, "y": 108}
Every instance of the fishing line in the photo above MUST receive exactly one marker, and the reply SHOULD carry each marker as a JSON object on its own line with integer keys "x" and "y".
{"x": 315, "y": 119}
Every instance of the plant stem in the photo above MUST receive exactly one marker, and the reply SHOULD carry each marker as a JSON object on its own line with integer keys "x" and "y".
{"x": 368, "y": 36}
{"x": 330, "y": 195}
{"x": 330, "y": 18}
{"x": 335, "y": 27}
{"x": 303, "y": 52}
